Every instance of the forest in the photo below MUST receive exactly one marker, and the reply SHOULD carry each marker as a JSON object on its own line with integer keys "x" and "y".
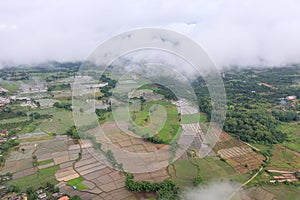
{"x": 256, "y": 102}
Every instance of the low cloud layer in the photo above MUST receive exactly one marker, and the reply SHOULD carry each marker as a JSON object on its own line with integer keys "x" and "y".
{"x": 213, "y": 191}
{"x": 232, "y": 32}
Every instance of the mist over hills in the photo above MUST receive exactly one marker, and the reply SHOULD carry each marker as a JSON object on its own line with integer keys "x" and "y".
{"x": 247, "y": 33}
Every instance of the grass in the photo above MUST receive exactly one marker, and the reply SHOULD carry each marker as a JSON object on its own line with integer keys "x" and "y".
{"x": 22, "y": 125}
{"x": 262, "y": 148}
{"x": 27, "y": 181}
{"x": 30, "y": 127}
{"x": 165, "y": 131}
{"x": 183, "y": 172}
{"x": 48, "y": 174}
{"x": 11, "y": 87}
{"x": 147, "y": 86}
{"x": 78, "y": 183}
{"x": 215, "y": 169}
{"x": 36, "y": 180}
{"x": 61, "y": 121}
{"x": 261, "y": 178}
{"x": 293, "y": 132}
{"x": 36, "y": 139}
{"x": 45, "y": 162}
{"x": 287, "y": 192}
{"x": 13, "y": 120}
{"x": 283, "y": 159}
{"x": 193, "y": 118}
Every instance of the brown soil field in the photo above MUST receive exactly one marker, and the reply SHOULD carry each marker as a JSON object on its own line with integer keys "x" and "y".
{"x": 238, "y": 154}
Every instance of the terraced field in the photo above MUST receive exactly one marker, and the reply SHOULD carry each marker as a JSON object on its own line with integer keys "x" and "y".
{"x": 238, "y": 154}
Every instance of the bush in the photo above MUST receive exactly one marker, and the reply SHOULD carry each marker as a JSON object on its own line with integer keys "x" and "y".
{"x": 198, "y": 180}
{"x": 164, "y": 190}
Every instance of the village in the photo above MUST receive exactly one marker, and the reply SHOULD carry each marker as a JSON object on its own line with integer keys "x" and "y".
{"x": 41, "y": 151}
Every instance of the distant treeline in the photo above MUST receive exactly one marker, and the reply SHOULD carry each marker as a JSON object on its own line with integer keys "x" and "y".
{"x": 106, "y": 90}
{"x": 253, "y": 109}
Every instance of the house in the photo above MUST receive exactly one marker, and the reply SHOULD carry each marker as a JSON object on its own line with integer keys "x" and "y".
{"x": 39, "y": 191}
{"x": 283, "y": 101}
{"x": 291, "y": 98}
{"x": 57, "y": 195}
{"x": 4, "y": 100}
{"x": 1, "y": 141}
{"x": 64, "y": 198}
{"x": 3, "y": 131}
{"x": 3, "y": 89}
{"x": 6, "y": 178}
{"x": 16, "y": 198}
{"x": 24, "y": 196}
{"x": 2, "y": 187}
{"x": 3, "y": 134}
{"x": 14, "y": 137}
{"x": 42, "y": 196}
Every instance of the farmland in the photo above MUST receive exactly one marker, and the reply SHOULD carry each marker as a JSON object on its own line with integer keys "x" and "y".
{"x": 183, "y": 172}
{"x": 284, "y": 159}
{"x": 193, "y": 118}
{"x": 59, "y": 123}
{"x": 210, "y": 169}
{"x": 238, "y": 154}
{"x": 37, "y": 179}
{"x": 170, "y": 127}
{"x": 293, "y": 132}
{"x": 77, "y": 182}
{"x": 284, "y": 192}
{"x": 45, "y": 162}
{"x": 159, "y": 125}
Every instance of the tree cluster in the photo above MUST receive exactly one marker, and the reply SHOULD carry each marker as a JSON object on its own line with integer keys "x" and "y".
{"x": 164, "y": 190}
{"x": 67, "y": 106}
{"x": 253, "y": 126}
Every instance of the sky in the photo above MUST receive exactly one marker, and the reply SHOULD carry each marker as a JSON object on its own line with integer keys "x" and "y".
{"x": 233, "y": 32}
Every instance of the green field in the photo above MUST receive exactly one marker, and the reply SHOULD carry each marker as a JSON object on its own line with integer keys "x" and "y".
{"x": 27, "y": 181}
{"x": 78, "y": 183}
{"x": 262, "y": 148}
{"x": 165, "y": 131}
{"x": 193, "y": 118}
{"x": 36, "y": 180}
{"x": 263, "y": 177}
{"x": 45, "y": 162}
{"x": 61, "y": 121}
{"x": 212, "y": 168}
{"x": 21, "y": 125}
{"x": 47, "y": 174}
{"x": 13, "y": 120}
{"x": 183, "y": 172}
{"x": 293, "y": 132}
{"x": 11, "y": 87}
{"x": 49, "y": 137}
{"x": 284, "y": 159}
{"x": 284, "y": 192}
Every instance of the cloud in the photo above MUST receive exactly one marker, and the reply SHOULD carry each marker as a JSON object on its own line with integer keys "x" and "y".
{"x": 213, "y": 191}
{"x": 233, "y": 32}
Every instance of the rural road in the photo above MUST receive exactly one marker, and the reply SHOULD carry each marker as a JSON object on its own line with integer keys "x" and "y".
{"x": 240, "y": 187}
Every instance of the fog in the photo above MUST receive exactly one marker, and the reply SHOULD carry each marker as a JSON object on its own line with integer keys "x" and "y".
{"x": 232, "y": 32}
{"x": 213, "y": 191}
